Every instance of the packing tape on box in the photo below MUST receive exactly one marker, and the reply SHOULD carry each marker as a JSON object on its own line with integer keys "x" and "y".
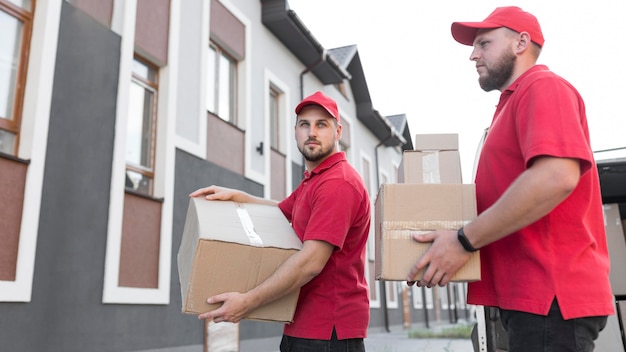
{"x": 248, "y": 226}
{"x": 405, "y": 229}
{"x": 430, "y": 167}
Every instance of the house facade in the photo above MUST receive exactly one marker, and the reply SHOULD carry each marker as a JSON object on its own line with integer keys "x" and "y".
{"x": 112, "y": 112}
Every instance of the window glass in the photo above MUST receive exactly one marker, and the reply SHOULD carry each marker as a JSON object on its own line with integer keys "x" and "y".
{"x": 25, "y": 4}
{"x": 138, "y": 182}
{"x": 143, "y": 71}
{"x": 274, "y": 120}
{"x": 221, "y": 84}
{"x": 141, "y": 129}
{"x": 211, "y": 104}
{"x": 7, "y": 142}
{"x": 224, "y": 88}
{"x": 139, "y": 126}
{"x": 10, "y": 48}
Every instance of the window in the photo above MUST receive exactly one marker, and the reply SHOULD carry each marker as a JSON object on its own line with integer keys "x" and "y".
{"x": 392, "y": 294}
{"x": 275, "y": 121}
{"x": 221, "y": 84}
{"x": 141, "y": 129}
{"x": 15, "y": 26}
{"x": 344, "y": 142}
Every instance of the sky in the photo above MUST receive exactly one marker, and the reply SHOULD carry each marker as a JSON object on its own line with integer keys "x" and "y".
{"x": 413, "y": 66}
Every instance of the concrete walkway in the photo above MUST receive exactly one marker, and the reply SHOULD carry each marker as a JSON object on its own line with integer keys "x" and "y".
{"x": 397, "y": 340}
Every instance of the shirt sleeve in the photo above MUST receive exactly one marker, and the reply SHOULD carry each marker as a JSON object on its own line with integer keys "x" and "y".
{"x": 551, "y": 121}
{"x": 334, "y": 208}
{"x": 286, "y": 206}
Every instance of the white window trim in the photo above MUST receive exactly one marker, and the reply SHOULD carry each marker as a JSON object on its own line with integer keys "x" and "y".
{"x": 418, "y": 302}
{"x": 198, "y": 149}
{"x": 374, "y": 303}
{"x": 371, "y": 250}
{"x": 33, "y": 141}
{"x": 286, "y": 133}
{"x": 164, "y": 165}
{"x": 392, "y": 300}
{"x": 350, "y": 121}
{"x": 396, "y": 170}
{"x": 442, "y": 293}
{"x": 416, "y": 294}
{"x": 386, "y": 175}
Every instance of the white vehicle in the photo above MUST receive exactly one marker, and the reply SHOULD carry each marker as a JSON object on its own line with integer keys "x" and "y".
{"x": 490, "y": 336}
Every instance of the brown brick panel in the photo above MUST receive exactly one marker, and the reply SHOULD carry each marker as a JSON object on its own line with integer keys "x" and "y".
{"x": 141, "y": 233}
{"x": 12, "y": 181}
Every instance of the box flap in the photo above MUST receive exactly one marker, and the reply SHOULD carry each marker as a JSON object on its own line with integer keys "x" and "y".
{"x": 432, "y": 166}
{"x": 437, "y": 141}
{"x": 256, "y": 225}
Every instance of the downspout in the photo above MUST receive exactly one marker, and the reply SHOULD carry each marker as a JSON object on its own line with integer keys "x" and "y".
{"x": 383, "y": 297}
{"x": 307, "y": 70}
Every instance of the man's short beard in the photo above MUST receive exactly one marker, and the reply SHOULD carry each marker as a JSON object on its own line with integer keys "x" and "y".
{"x": 499, "y": 74}
{"x": 316, "y": 156}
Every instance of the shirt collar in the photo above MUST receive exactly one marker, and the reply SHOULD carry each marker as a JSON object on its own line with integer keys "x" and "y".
{"x": 326, "y": 164}
{"x": 528, "y": 72}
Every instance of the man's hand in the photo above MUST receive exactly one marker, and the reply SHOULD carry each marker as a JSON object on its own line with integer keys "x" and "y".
{"x": 219, "y": 193}
{"x": 223, "y": 193}
{"x": 442, "y": 260}
{"x": 234, "y": 308}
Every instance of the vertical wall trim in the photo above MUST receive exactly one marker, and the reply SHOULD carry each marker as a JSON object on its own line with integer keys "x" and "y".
{"x": 166, "y": 150}
{"x": 244, "y": 94}
{"x": 286, "y": 130}
{"x": 164, "y": 163}
{"x": 123, "y": 23}
{"x": 33, "y": 143}
{"x": 190, "y": 45}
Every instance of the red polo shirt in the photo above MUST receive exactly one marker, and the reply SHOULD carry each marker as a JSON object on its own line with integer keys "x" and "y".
{"x": 564, "y": 254}
{"x": 331, "y": 204}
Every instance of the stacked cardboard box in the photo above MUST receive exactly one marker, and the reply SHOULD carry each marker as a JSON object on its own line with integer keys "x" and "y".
{"x": 233, "y": 247}
{"x": 432, "y": 197}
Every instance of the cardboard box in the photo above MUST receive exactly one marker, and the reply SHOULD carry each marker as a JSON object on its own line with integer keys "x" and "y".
{"x": 232, "y": 247}
{"x": 404, "y": 209}
{"x": 441, "y": 141}
{"x": 617, "y": 248}
{"x": 431, "y": 166}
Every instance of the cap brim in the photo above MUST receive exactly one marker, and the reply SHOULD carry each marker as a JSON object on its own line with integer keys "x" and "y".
{"x": 465, "y": 32}
{"x": 304, "y": 104}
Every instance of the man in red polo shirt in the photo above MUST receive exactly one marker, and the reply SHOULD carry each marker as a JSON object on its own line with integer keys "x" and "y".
{"x": 540, "y": 227}
{"x": 330, "y": 212}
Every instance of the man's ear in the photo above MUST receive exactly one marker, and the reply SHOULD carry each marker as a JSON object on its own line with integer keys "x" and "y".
{"x": 523, "y": 42}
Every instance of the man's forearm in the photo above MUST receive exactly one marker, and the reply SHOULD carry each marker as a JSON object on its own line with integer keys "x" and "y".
{"x": 530, "y": 197}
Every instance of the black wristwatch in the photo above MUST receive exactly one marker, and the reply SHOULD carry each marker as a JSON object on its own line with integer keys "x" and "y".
{"x": 464, "y": 241}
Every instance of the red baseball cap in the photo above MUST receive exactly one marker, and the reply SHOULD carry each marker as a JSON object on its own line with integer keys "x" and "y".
{"x": 511, "y": 17}
{"x": 319, "y": 98}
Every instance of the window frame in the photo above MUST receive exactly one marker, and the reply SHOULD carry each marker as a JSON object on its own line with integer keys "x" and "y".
{"x": 215, "y": 73}
{"x": 12, "y": 124}
{"x": 275, "y": 119}
{"x": 153, "y": 88}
